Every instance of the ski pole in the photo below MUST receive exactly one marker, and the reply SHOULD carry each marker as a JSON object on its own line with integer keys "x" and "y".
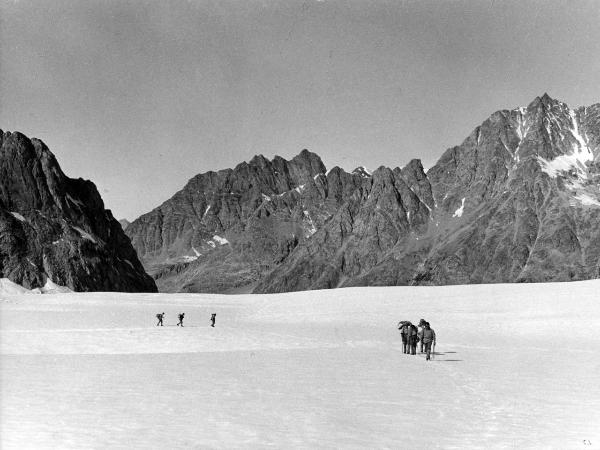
{"x": 433, "y": 351}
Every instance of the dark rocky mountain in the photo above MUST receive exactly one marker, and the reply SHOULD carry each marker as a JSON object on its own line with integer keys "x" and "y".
{"x": 225, "y": 230}
{"x": 54, "y": 227}
{"x": 517, "y": 201}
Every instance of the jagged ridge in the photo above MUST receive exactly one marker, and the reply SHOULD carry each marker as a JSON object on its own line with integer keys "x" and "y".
{"x": 518, "y": 200}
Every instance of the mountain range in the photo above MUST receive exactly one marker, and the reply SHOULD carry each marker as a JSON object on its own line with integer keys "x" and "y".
{"x": 517, "y": 201}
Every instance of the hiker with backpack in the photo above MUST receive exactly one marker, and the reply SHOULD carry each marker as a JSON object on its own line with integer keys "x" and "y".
{"x": 420, "y": 335}
{"x": 213, "y": 317}
{"x": 403, "y": 327}
{"x": 428, "y": 339}
{"x": 160, "y": 316}
{"x": 180, "y": 323}
{"x": 413, "y": 339}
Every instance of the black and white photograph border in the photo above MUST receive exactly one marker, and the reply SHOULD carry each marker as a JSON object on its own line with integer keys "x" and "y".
{"x": 299, "y": 224}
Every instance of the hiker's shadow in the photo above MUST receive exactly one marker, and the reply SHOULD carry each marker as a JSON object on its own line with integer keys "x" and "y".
{"x": 436, "y": 354}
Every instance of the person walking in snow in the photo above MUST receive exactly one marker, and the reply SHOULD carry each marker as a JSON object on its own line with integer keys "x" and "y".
{"x": 428, "y": 339}
{"x": 160, "y": 316}
{"x": 180, "y": 324}
{"x": 420, "y": 335}
{"x": 404, "y": 327}
{"x": 413, "y": 339}
{"x": 213, "y": 317}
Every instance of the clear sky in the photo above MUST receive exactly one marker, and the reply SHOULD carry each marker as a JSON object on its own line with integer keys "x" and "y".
{"x": 139, "y": 96}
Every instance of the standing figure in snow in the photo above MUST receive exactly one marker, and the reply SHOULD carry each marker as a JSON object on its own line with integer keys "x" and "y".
{"x": 160, "y": 316}
{"x": 181, "y": 319}
{"x": 422, "y": 327}
{"x": 428, "y": 339}
{"x": 404, "y": 328}
{"x": 213, "y": 317}
{"x": 413, "y": 339}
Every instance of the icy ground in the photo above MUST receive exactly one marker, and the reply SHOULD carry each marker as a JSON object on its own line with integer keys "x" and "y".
{"x": 518, "y": 366}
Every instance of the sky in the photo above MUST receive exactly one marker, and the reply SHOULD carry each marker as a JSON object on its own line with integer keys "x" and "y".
{"x": 140, "y": 96}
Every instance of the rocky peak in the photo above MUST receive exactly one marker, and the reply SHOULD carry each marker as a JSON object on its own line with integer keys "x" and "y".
{"x": 362, "y": 171}
{"x": 54, "y": 227}
{"x": 306, "y": 165}
{"x": 543, "y": 102}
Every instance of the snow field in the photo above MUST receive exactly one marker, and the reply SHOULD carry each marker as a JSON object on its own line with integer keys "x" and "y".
{"x": 517, "y": 367}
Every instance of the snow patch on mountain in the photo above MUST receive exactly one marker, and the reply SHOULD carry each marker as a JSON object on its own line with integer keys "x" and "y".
{"x": 459, "y": 211}
{"x": 576, "y": 161}
{"x": 220, "y": 240}
{"x": 18, "y": 216}
{"x": 586, "y": 200}
{"x": 566, "y": 163}
{"x": 191, "y": 258}
{"x": 51, "y": 288}
{"x": 84, "y": 234}
{"x": 312, "y": 229}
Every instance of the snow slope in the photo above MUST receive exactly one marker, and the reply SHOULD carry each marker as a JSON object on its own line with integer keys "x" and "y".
{"x": 7, "y": 287}
{"x": 517, "y": 367}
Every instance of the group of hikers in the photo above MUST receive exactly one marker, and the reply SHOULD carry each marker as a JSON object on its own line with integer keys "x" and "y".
{"x": 411, "y": 336}
{"x": 160, "y": 317}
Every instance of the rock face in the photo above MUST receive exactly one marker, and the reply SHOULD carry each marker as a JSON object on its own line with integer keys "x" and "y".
{"x": 517, "y": 201}
{"x": 225, "y": 230}
{"x": 54, "y": 227}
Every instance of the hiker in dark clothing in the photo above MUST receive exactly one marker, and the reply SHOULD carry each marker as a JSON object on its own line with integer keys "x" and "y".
{"x": 181, "y": 319}
{"x": 160, "y": 316}
{"x": 413, "y": 339}
{"x": 404, "y": 328}
{"x": 213, "y": 317}
{"x": 428, "y": 339}
{"x": 421, "y": 326}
